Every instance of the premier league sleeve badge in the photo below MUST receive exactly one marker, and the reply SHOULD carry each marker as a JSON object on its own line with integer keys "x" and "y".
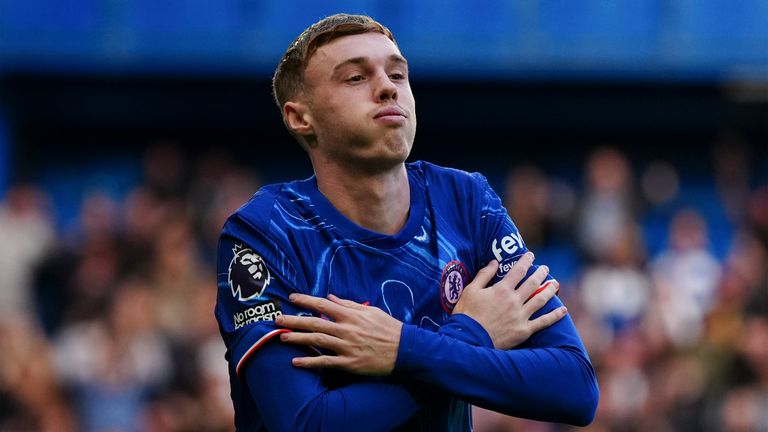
{"x": 248, "y": 274}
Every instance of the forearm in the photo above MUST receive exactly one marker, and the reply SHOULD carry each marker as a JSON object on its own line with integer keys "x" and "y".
{"x": 550, "y": 379}
{"x": 296, "y": 399}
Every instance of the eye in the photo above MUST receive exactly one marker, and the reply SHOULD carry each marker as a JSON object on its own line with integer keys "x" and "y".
{"x": 397, "y": 76}
{"x": 356, "y": 78}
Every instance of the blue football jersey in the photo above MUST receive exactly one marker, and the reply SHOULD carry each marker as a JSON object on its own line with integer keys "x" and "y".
{"x": 289, "y": 238}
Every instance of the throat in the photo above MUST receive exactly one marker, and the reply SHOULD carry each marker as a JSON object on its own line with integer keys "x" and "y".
{"x": 377, "y": 203}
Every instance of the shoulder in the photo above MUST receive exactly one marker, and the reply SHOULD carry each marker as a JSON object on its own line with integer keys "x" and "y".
{"x": 452, "y": 179}
{"x": 258, "y": 227}
{"x": 440, "y": 173}
{"x": 258, "y": 210}
{"x": 261, "y": 210}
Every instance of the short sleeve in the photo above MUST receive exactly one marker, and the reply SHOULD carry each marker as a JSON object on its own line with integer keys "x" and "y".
{"x": 254, "y": 280}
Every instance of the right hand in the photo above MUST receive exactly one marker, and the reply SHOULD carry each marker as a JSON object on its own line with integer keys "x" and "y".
{"x": 505, "y": 312}
{"x": 364, "y": 338}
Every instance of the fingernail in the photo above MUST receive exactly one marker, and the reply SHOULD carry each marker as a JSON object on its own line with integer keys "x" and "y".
{"x": 546, "y": 269}
{"x": 296, "y": 362}
{"x": 279, "y": 320}
{"x": 292, "y": 297}
{"x": 284, "y": 336}
{"x": 564, "y": 310}
{"x": 531, "y": 256}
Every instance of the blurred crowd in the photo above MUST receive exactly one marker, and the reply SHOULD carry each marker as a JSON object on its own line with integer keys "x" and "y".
{"x": 110, "y": 326}
{"x": 678, "y": 334}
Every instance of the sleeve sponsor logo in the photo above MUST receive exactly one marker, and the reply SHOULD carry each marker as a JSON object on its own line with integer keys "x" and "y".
{"x": 511, "y": 245}
{"x": 505, "y": 266}
{"x": 267, "y": 311}
{"x": 248, "y": 274}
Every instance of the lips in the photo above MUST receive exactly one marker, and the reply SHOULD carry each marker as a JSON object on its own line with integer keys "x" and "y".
{"x": 391, "y": 111}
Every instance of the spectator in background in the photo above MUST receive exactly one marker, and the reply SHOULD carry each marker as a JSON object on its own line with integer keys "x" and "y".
{"x": 624, "y": 382}
{"x": 608, "y": 204}
{"x": 685, "y": 276}
{"x": 544, "y": 206}
{"x": 75, "y": 279}
{"x": 26, "y": 234}
{"x": 175, "y": 274}
{"x": 757, "y": 212}
{"x": 166, "y": 170}
{"x": 616, "y": 289}
{"x": 32, "y": 397}
{"x": 527, "y": 199}
{"x": 113, "y": 362}
{"x": 218, "y": 189}
{"x": 731, "y": 161}
{"x": 745, "y": 408}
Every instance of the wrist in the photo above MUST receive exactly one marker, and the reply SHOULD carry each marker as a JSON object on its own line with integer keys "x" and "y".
{"x": 466, "y": 329}
{"x": 396, "y": 348}
{"x": 405, "y": 349}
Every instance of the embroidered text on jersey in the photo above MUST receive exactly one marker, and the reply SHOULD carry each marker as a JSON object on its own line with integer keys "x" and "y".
{"x": 261, "y": 312}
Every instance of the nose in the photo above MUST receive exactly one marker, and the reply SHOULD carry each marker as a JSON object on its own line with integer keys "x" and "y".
{"x": 386, "y": 90}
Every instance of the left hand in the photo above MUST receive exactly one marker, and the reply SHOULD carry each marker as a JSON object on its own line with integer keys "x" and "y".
{"x": 365, "y": 338}
{"x": 504, "y": 311}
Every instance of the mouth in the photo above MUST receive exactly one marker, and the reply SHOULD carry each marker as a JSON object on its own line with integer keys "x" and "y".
{"x": 391, "y": 113}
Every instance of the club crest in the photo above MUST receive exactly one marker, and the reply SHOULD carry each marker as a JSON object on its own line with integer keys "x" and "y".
{"x": 452, "y": 283}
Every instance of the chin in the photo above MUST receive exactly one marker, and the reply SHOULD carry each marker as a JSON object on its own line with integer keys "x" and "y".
{"x": 399, "y": 154}
{"x": 400, "y": 146}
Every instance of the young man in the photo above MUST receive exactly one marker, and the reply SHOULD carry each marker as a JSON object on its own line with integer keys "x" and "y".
{"x": 373, "y": 260}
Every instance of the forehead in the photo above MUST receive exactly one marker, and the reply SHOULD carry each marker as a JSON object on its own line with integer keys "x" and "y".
{"x": 373, "y": 46}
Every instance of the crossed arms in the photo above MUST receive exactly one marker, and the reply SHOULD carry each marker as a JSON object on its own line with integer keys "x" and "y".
{"x": 547, "y": 376}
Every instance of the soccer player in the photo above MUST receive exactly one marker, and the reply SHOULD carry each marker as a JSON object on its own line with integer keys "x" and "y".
{"x": 380, "y": 295}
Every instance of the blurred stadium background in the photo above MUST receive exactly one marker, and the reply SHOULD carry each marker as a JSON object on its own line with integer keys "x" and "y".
{"x": 629, "y": 140}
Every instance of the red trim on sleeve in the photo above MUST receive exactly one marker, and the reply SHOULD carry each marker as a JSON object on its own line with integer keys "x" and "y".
{"x": 256, "y": 346}
{"x": 542, "y": 288}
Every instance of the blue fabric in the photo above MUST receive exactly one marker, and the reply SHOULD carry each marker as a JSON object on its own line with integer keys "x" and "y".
{"x": 289, "y": 238}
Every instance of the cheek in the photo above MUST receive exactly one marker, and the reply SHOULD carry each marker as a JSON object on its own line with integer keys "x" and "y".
{"x": 406, "y": 94}
{"x": 336, "y": 105}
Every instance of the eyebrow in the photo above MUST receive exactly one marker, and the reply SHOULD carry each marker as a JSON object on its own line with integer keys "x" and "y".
{"x": 394, "y": 58}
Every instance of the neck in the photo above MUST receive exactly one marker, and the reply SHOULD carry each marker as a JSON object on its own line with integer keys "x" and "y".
{"x": 379, "y": 202}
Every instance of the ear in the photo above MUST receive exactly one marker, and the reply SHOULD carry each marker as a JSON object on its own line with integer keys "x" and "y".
{"x": 298, "y": 118}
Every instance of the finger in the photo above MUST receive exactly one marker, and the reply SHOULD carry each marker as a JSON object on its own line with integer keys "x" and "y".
{"x": 346, "y": 303}
{"x": 307, "y": 323}
{"x": 540, "y": 297}
{"x": 317, "y": 340}
{"x": 318, "y": 304}
{"x": 518, "y": 271}
{"x": 533, "y": 283}
{"x": 323, "y": 361}
{"x": 547, "y": 320}
{"x": 484, "y": 276}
